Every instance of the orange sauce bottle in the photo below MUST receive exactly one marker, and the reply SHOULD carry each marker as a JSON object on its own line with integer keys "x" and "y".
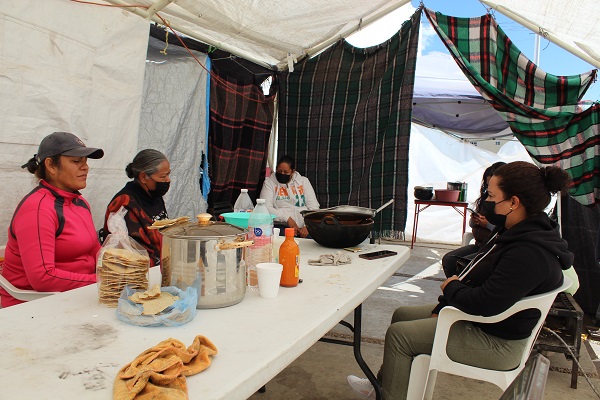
{"x": 289, "y": 257}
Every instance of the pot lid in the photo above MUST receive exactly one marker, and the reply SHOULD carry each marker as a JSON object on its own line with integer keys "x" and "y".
{"x": 193, "y": 230}
{"x": 343, "y": 210}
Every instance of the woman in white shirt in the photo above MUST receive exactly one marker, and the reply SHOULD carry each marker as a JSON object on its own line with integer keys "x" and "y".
{"x": 286, "y": 193}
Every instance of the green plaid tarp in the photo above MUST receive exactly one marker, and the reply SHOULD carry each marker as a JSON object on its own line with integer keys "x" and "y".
{"x": 540, "y": 108}
{"x": 345, "y": 117}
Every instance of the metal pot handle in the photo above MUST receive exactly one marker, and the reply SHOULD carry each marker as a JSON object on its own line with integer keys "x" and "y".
{"x": 329, "y": 217}
{"x": 233, "y": 245}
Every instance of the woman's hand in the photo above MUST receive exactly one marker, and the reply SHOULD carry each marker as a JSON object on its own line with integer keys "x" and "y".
{"x": 480, "y": 220}
{"x": 292, "y": 224}
{"x": 452, "y": 278}
{"x": 302, "y": 232}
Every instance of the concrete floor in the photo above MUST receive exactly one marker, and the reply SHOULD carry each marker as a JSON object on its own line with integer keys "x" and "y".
{"x": 320, "y": 373}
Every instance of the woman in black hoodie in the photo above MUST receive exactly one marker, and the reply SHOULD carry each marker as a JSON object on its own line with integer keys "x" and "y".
{"x": 525, "y": 257}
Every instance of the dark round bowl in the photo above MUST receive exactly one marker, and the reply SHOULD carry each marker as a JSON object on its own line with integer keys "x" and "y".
{"x": 423, "y": 193}
{"x": 338, "y": 231}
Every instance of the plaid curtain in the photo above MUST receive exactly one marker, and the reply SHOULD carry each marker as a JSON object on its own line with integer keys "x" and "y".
{"x": 540, "y": 108}
{"x": 580, "y": 228}
{"x": 345, "y": 117}
{"x": 241, "y": 118}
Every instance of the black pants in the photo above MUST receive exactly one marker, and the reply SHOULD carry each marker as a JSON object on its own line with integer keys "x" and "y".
{"x": 451, "y": 258}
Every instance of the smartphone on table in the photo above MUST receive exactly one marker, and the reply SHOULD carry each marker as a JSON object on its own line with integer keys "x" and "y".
{"x": 377, "y": 254}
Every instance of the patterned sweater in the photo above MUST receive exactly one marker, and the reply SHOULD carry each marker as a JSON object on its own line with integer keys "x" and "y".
{"x": 143, "y": 210}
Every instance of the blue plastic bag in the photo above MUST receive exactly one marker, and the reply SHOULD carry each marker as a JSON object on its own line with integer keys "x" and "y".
{"x": 179, "y": 313}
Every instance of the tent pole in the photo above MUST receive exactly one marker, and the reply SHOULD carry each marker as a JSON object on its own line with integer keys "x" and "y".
{"x": 533, "y": 27}
{"x": 536, "y": 52}
{"x": 195, "y": 35}
{"x": 559, "y": 213}
{"x": 362, "y": 24}
{"x": 156, "y": 7}
{"x": 274, "y": 139}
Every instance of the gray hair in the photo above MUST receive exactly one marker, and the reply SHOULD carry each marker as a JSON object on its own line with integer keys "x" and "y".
{"x": 146, "y": 161}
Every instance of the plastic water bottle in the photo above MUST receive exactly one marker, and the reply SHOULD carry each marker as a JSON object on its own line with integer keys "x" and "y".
{"x": 260, "y": 230}
{"x": 243, "y": 202}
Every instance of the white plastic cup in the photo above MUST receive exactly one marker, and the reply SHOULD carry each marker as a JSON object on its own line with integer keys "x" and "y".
{"x": 269, "y": 275}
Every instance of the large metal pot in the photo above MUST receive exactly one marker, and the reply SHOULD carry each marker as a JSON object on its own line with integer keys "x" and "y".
{"x": 338, "y": 230}
{"x": 344, "y": 211}
{"x": 208, "y": 257}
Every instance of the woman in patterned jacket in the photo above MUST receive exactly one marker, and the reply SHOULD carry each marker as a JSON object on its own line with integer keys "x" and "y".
{"x": 143, "y": 198}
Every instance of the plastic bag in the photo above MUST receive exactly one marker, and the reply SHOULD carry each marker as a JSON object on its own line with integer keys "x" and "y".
{"x": 121, "y": 261}
{"x": 179, "y": 313}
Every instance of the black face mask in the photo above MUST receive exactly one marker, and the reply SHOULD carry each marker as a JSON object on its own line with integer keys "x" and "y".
{"x": 488, "y": 210}
{"x": 161, "y": 189}
{"x": 282, "y": 178}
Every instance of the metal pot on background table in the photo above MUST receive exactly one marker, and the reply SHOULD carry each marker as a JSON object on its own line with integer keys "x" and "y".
{"x": 209, "y": 257}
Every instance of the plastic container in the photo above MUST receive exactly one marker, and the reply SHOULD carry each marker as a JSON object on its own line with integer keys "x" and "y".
{"x": 289, "y": 257}
{"x": 239, "y": 218}
{"x": 463, "y": 192}
{"x": 260, "y": 230}
{"x": 277, "y": 241}
{"x": 450, "y": 196}
{"x": 243, "y": 202}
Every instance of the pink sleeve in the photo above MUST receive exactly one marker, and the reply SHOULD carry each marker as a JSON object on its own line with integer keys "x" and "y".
{"x": 36, "y": 231}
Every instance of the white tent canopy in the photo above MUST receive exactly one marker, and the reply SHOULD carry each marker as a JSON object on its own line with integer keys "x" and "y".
{"x": 272, "y": 32}
{"x": 571, "y": 25}
{"x": 268, "y": 33}
{"x": 453, "y": 105}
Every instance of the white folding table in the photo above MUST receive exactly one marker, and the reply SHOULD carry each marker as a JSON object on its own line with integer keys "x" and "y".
{"x": 68, "y": 346}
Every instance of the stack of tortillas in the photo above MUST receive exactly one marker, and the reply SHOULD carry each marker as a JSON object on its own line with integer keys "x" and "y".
{"x": 117, "y": 268}
{"x": 162, "y": 223}
{"x": 153, "y": 301}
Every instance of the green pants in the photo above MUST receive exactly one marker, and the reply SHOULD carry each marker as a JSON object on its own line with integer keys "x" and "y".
{"x": 411, "y": 333}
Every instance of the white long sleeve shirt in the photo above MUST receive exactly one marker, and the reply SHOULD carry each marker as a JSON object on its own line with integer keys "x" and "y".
{"x": 286, "y": 200}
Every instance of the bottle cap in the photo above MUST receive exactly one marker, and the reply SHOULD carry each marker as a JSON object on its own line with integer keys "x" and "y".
{"x": 289, "y": 232}
{"x": 276, "y": 231}
{"x": 260, "y": 201}
{"x": 244, "y": 190}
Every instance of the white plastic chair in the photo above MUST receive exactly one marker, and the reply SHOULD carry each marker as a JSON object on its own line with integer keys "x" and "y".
{"x": 466, "y": 238}
{"x": 425, "y": 367}
{"x": 20, "y": 294}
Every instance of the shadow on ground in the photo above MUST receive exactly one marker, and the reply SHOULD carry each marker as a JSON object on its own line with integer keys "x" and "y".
{"x": 320, "y": 373}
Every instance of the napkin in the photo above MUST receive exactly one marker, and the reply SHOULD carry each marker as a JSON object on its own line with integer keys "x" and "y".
{"x": 338, "y": 258}
{"x": 159, "y": 372}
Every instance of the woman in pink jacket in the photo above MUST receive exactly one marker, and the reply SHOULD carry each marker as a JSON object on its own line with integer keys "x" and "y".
{"x": 52, "y": 242}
